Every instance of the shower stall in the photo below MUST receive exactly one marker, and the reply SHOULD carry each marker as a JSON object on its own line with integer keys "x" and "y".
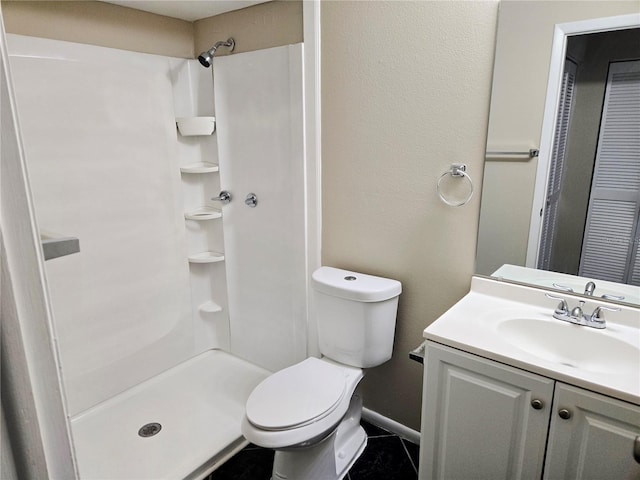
{"x": 177, "y": 304}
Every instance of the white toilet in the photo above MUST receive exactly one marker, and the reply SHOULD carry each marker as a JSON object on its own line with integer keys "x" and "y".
{"x": 307, "y": 412}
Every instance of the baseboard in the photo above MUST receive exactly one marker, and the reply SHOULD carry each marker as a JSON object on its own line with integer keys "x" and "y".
{"x": 391, "y": 425}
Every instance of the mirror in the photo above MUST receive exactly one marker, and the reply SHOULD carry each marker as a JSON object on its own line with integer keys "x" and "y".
{"x": 544, "y": 219}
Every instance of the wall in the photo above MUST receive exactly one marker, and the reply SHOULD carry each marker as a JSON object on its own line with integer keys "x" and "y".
{"x": 259, "y": 96}
{"x": 266, "y": 25}
{"x": 405, "y": 94}
{"x": 261, "y": 26}
{"x": 98, "y": 23}
{"x": 31, "y": 383}
{"x": 118, "y": 189}
{"x": 523, "y": 50}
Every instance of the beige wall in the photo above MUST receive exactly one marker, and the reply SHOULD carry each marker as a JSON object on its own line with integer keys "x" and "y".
{"x": 523, "y": 51}
{"x": 98, "y": 23}
{"x": 405, "y": 93}
{"x": 265, "y": 25}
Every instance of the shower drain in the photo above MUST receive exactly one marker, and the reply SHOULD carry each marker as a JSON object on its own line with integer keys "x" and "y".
{"x": 149, "y": 430}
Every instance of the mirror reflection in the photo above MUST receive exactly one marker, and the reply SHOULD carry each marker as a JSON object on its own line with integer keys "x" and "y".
{"x": 592, "y": 198}
{"x": 585, "y": 229}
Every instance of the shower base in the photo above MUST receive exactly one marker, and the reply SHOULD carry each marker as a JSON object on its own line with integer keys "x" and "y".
{"x": 198, "y": 405}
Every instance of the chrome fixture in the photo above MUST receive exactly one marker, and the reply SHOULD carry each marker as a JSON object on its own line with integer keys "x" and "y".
{"x": 531, "y": 153}
{"x": 562, "y": 287}
{"x": 224, "y": 197}
{"x": 251, "y": 200}
{"x": 589, "y": 288}
{"x": 457, "y": 170}
{"x": 205, "y": 58}
{"x": 598, "y": 316}
{"x": 149, "y": 430}
{"x": 577, "y": 315}
{"x": 562, "y": 308}
{"x": 608, "y": 296}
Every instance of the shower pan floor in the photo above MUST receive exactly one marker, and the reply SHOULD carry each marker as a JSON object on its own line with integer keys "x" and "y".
{"x": 198, "y": 404}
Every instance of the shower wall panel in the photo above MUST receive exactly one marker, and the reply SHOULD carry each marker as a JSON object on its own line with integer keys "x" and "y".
{"x": 259, "y": 107}
{"x": 99, "y": 133}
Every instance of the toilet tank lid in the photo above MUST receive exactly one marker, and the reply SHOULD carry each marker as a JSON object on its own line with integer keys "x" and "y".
{"x": 354, "y": 286}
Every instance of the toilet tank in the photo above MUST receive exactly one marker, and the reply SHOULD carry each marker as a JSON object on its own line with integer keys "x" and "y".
{"x": 356, "y": 315}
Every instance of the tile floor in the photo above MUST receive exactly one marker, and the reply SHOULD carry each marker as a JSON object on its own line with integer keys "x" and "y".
{"x": 387, "y": 457}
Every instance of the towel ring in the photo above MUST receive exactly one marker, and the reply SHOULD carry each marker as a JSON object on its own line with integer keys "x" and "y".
{"x": 457, "y": 170}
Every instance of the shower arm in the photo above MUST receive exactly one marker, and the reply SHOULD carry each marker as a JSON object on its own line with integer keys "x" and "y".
{"x": 206, "y": 58}
{"x": 230, "y": 43}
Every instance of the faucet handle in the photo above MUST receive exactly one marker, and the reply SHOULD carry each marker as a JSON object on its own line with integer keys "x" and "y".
{"x": 562, "y": 308}
{"x": 562, "y": 287}
{"x": 608, "y": 296}
{"x": 598, "y": 315}
{"x": 224, "y": 197}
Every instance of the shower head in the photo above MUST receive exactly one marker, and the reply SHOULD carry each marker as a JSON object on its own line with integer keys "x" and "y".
{"x": 205, "y": 58}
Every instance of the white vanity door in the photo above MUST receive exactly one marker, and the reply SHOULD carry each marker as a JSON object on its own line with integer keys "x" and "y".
{"x": 481, "y": 419}
{"x": 596, "y": 441}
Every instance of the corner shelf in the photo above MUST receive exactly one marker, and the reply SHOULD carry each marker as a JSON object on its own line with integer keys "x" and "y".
{"x": 200, "y": 167}
{"x": 210, "y": 307}
{"x": 196, "y": 126}
{"x": 206, "y": 257}
{"x": 58, "y": 246}
{"x": 203, "y": 213}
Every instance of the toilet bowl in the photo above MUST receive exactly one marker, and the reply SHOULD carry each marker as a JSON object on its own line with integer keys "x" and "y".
{"x": 308, "y": 412}
{"x": 299, "y": 405}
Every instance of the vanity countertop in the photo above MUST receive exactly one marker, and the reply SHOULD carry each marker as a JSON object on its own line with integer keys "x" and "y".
{"x": 514, "y": 324}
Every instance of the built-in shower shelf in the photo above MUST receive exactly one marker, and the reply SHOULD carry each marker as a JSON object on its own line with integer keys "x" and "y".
{"x": 210, "y": 307}
{"x": 203, "y": 213}
{"x": 206, "y": 257}
{"x": 200, "y": 167}
{"x": 196, "y": 126}
{"x": 54, "y": 246}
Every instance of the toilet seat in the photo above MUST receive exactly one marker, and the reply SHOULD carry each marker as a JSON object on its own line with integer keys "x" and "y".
{"x": 296, "y": 396}
{"x": 319, "y": 423}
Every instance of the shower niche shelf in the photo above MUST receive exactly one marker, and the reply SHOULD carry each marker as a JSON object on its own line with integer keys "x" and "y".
{"x": 196, "y": 126}
{"x": 206, "y": 257}
{"x": 200, "y": 167}
{"x": 210, "y": 307}
{"x": 203, "y": 213}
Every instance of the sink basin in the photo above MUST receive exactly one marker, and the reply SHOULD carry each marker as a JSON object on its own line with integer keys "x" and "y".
{"x": 571, "y": 345}
{"x": 513, "y": 324}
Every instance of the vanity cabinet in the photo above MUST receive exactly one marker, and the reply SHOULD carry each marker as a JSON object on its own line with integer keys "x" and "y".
{"x": 596, "y": 441}
{"x": 481, "y": 419}
{"x": 485, "y": 420}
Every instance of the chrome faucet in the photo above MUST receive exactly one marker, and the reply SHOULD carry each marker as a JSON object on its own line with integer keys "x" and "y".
{"x": 589, "y": 288}
{"x": 577, "y": 315}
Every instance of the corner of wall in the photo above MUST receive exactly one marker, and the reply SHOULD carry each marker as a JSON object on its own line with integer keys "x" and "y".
{"x": 265, "y": 25}
{"x": 102, "y": 24}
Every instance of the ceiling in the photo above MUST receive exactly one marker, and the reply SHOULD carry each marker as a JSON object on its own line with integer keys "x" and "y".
{"x": 189, "y": 10}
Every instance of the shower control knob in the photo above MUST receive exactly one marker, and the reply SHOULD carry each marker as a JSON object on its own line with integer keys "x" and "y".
{"x": 224, "y": 197}
{"x": 251, "y": 200}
